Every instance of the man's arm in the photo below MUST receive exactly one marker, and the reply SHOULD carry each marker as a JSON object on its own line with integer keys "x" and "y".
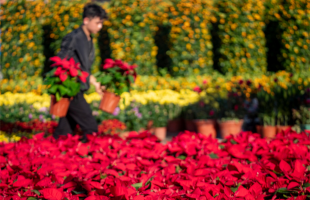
{"x": 99, "y": 88}
{"x": 67, "y": 47}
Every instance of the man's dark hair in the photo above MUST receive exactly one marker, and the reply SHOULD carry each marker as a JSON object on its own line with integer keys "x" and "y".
{"x": 92, "y": 10}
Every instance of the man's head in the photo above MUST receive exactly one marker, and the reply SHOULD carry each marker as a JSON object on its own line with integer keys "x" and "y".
{"x": 93, "y": 17}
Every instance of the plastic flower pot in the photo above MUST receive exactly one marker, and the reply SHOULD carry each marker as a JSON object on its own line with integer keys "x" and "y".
{"x": 305, "y": 127}
{"x": 232, "y": 127}
{"x": 175, "y": 125}
{"x": 109, "y": 102}
{"x": 59, "y": 108}
{"x": 206, "y": 127}
{"x": 160, "y": 133}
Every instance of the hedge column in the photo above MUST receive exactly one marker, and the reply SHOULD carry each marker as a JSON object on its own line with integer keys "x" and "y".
{"x": 21, "y": 38}
{"x": 242, "y": 38}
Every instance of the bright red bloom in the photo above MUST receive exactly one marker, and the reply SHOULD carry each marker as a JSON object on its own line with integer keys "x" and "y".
{"x": 84, "y": 76}
{"x": 63, "y": 76}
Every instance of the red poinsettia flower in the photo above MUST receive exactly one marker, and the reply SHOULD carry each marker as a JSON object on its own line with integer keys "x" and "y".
{"x": 108, "y": 63}
{"x": 83, "y": 76}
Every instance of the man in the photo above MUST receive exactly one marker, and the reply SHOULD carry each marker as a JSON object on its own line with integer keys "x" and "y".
{"x": 79, "y": 45}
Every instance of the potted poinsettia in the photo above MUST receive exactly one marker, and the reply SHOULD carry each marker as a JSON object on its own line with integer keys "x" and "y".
{"x": 117, "y": 77}
{"x": 63, "y": 83}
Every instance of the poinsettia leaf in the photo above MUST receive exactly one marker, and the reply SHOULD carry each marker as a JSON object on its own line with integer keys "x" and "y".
{"x": 63, "y": 90}
{"x": 105, "y": 80}
{"x": 221, "y": 146}
{"x": 67, "y": 83}
{"x": 53, "y": 89}
{"x": 137, "y": 185}
{"x": 182, "y": 157}
{"x": 282, "y": 190}
{"x": 306, "y": 185}
{"x": 58, "y": 97}
{"x": 234, "y": 189}
{"x": 32, "y": 198}
{"x": 233, "y": 141}
{"x": 36, "y": 191}
{"x": 131, "y": 79}
{"x": 296, "y": 141}
{"x": 103, "y": 176}
{"x": 213, "y": 156}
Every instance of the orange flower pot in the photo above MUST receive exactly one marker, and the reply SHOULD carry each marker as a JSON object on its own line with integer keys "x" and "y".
{"x": 206, "y": 127}
{"x": 282, "y": 128}
{"x": 109, "y": 102}
{"x": 160, "y": 133}
{"x": 267, "y": 132}
{"x": 59, "y": 108}
{"x": 230, "y": 127}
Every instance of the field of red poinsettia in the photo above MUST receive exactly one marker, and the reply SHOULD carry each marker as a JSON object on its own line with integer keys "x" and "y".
{"x": 191, "y": 166}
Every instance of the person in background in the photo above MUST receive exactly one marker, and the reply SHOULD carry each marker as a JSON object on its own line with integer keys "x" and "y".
{"x": 79, "y": 45}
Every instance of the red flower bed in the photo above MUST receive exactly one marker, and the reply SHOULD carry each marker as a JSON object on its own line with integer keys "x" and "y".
{"x": 191, "y": 166}
{"x": 110, "y": 126}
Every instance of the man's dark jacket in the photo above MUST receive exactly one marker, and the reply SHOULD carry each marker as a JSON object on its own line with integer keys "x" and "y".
{"x": 76, "y": 45}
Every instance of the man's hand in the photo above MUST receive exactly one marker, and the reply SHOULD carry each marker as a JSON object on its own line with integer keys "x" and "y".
{"x": 98, "y": 87}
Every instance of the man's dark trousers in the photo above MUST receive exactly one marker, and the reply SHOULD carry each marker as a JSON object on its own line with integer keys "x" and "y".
{"x": 79, "y": 112}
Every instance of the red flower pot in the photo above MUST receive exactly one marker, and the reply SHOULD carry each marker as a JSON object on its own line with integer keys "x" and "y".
{"x": 230, "y": 127}
{"x": 190, "y": 125}
{"x": 206, "y": 127}
{"x": 109, "y": 102}
{"x": 175, "y": 125}
{"x": 59, "y": 108}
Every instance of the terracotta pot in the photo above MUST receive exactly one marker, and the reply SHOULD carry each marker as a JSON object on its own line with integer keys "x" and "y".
{"x": 190, "y": 125}
{"x": 59, "y": 108}
{"x": 206, "y": 127}
{"x": 268, "y": 132}
{"x": 109, "y": 102}
{"x": 149, "y": 125}
{"x": 282, "y": 128}
{"x": 175, "y": 125}
{"x": 160, "y": 133}
{"x": 230, "y": 127}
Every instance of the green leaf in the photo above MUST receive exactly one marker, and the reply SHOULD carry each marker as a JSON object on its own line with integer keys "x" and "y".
{"x": 103, "y": 176}
{"x": 36, "y": 191}
{"x": 306, "y": 185}
{"x": 53, "y": 89}
{"x": 233, "y": 142}
{"x": 131, "y": 79}
{"x": 213, "y": 156}
{"x": 177, "y": 169}
{"x": 105, "y": 80}
{"x": 32, "y": 198}
{"x": 282, "y": 190}
{"x": 67, "y": 83}
{"x": 58, "y": 97}
{"x": 182, "y": 157}
{"x": 234, "y": 189}
{"x": 137, "y": 185}
{"x": 221, "y": 146}
{"x": 63, "y": 90}
{"x": 296, "y": 141}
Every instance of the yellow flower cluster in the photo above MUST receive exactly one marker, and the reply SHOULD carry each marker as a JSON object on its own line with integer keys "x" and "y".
{"x": 241, "y": 33}
{"x": 191, "y": 47}
{"x": 8, "y": 138}
{"x": 21, "y": 48}
{"x": 295, "y": 21}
